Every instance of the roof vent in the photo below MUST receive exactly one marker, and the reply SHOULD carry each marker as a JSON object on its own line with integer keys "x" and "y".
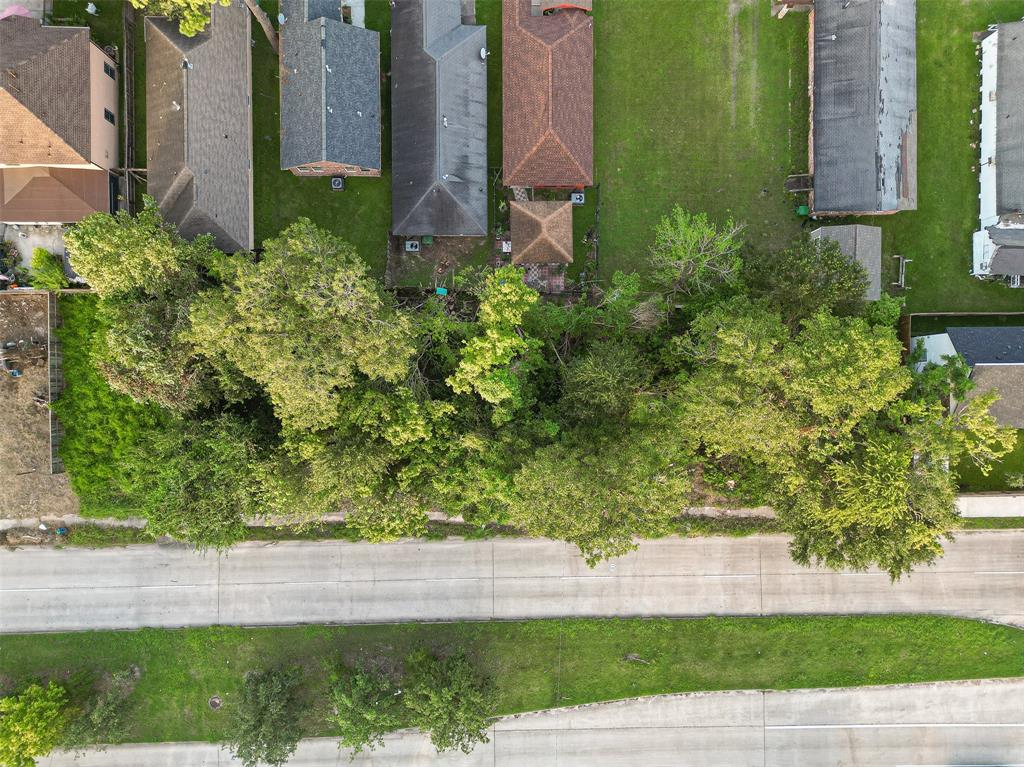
{"x": 186, "y": 64}
{"x": 176, "y": 105}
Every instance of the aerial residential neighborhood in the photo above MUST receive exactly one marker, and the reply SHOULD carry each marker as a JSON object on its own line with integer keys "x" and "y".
{"x": 512, "y": 382}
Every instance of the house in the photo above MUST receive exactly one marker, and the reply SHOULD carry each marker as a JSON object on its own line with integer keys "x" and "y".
{"x": 542, "y": 241}
{"x": 330, "y": 92}
{"x": 59, "y": 97}
{"x": 548, "y": 90}
{"x": 999, "y": 241}
{"x": 996, "y": 358}
{"x": 863, "y": 244}
{"x": 864, "y": 107}
{"x": 439, "y": 120}
{"x": 199, "y": 126}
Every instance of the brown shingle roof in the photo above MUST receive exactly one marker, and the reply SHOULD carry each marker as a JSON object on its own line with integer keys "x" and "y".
{"x": 548, "y": 84}
{"x": 541, "y": 232}
{"x": 44, "y": 109}
{"x": 52, "y": 195}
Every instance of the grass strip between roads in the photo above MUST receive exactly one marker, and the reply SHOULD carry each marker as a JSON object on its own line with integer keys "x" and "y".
{"x": 533, "y": 664}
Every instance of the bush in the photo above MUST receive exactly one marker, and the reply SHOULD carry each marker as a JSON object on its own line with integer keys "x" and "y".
{"x": 265, "y": 725}
{"x": 366, "y": 707}
{"x": 47, "y": 271}
{"x": 105, "y": 719}
{"x": 31, "y": 724}
{"x": 449, "y": 700}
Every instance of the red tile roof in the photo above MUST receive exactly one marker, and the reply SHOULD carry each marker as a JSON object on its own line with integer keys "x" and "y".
{"x": 541, "y": 232}
{"x": 548, "y": 84}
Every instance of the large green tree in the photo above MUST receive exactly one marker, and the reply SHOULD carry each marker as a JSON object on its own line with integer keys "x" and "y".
{"x": 693, "y": 257}
{"x": 448, "y": 699}
{"x": 366, "y": 706}
{"x": 306, "y": 322}
{"x": 265, "y": 721}
{"x": 32, "y": 724}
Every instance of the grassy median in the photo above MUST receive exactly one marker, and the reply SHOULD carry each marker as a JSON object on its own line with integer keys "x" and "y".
{"x": 533, "y": 664}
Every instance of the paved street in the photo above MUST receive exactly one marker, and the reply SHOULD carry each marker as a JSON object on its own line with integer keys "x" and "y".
{"x": 943, "y": 725}
{"x": 981, "y": 576}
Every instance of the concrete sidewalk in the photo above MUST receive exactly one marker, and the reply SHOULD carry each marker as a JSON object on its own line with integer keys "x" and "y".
{"x": 948, "y": 724}
{"x": 981, "y": 575}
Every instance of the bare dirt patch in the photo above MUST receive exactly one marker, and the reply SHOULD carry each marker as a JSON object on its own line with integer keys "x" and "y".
{"x": 28, "y": 489}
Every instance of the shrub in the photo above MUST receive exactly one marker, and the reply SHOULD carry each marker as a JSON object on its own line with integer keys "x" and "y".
{"x": 366, "y": 707}
{"x": 449, "y": 700}
{"x": 31, "y": 724}
{"x": 47, "y": 271}
{"x": 105, "y": 719}
{"x": 265, "y": 725}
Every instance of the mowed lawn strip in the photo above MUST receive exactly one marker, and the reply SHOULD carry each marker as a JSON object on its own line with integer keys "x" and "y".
{"x": 701, "y": 104}
{"x": 533, "y": 664}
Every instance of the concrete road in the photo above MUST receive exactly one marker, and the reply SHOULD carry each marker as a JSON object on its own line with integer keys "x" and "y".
{"x": 980, "y": 576}
{"x": 940, "y": 725}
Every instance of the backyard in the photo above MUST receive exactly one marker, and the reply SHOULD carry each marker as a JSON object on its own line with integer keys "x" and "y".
{"x": 533, "y": 664}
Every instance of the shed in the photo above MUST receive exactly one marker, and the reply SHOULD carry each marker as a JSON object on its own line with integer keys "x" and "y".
{"x": 864, "y": 106}
{"x": 541, "y": 232}
{"x": 548, "y": 89}
{"x": 330, "y": 92}
{"x": 438, "y": 120}
{"x": 863, "y": 244}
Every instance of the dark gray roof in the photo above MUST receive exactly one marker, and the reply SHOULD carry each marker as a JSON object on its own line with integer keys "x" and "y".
{"x": 989, "y": 346}
{"x": 1007, "y": 261}
{"x": 865, "y": 106}
{"x": 199, "y": 126}
{"x": 1010, "y": 128}
{"x": 330, "y": 87}
{"x": 864, "y": 245}
{"x": 439, "y": 120}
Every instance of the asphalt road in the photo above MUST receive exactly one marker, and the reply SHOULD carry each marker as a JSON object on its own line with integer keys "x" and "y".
{"x": 943, "y": 725}
{"x": 980, "y": 576}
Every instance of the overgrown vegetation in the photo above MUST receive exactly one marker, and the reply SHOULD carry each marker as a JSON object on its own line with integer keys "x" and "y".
{"x": 47, "y": 271}
{"x": 293, "y": 385}
{"x": 528, "y": 665}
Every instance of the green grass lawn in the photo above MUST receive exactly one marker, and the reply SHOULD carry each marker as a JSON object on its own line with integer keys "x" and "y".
{"x": 1011, "y": 466}
{"x": 534, "y": 665}
{"x": 698, "y": 106}
{"x": 937, "y": 236}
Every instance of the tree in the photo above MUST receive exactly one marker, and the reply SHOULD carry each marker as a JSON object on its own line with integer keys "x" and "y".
{"x": 809, "y": 276}
{"x": 601, "y": 384}
{"x": 496, "y": 364}
{"x": 366, "y": 707}
{"x": 600, "y": 492}
{"x": 196, "y": 480}
{"x": 47, "y": 271}
{"x": 121, "y": 254}
{"x": 32, "y": 724}
{"x": 265, "y": 723}
{"x": 692, "y": 257}
{"x": 306, "y": 322}
{"x": 448, "y": 699}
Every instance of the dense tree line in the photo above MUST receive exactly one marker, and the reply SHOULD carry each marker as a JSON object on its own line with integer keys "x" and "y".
{"x": 293, "y": 384}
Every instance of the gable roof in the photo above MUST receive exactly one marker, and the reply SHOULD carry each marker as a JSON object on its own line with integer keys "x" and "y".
{"x": 1009, "y": 159}
{"x": 541, "y": 232}
{"x": 863, "y": 244}
{"x": 330, "y": 87}
{"x": 865, "y": 106}
{"x": 199, "y": 126}
{"x": 1008, "y": 381}
{"x": 989, "y": 346}
{"x": 439, "y": 120}
{"x": 548, "y": 89}
{"x": 44, "y": 101}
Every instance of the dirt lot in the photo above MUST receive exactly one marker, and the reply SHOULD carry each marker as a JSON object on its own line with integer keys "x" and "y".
{"x": 28, "y": 489}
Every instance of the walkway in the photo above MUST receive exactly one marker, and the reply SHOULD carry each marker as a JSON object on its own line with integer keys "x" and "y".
{"x": 45, "y": 589}
{"x": 948, "y": 725}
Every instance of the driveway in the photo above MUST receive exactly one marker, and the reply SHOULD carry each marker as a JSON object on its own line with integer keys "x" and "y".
{"x": 956, "y": 724}
{"x": 980, "y": 576}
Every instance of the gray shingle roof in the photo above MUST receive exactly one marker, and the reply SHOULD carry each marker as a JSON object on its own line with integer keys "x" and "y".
{"x": 989, "y": 346}
{"x": 330, "y": 87}
{"x": 864, "y": 245}
{"x": 1010, "y": 128}
{"x": 865, "y": 106}
{"x": 439, "y": 120}
{"x": 199, "y": 126}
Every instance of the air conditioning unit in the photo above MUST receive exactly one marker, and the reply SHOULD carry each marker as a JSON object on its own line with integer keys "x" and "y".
{"x": 412, "y": 246}
{"x": 577, "y": 198}
{"x": 338, "y": 183}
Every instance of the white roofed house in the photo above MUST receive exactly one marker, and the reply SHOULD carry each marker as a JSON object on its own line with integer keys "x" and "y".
{"x": 999, "y": 241}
